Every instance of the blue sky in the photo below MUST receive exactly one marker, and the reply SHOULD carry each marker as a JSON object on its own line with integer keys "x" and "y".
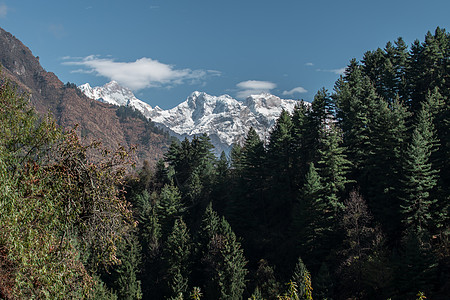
{"x": 166, "y": 49}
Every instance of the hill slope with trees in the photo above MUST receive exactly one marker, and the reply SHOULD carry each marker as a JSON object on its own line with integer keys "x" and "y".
{"x": 348, "y": 199}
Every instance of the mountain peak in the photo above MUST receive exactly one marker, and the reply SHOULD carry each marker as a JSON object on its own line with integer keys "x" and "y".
{"x": 114, "y": 84}
{"x": 261, "y": 95}
{"x": 225, "y": 119}
{"x": 197, "y": 94}
{"x": 86, "y": 85}
{"x": 112, "y": 93}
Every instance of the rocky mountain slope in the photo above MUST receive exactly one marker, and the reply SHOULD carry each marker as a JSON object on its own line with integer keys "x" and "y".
{"x": 224, "y": 119}
{"x": 95, "y": 120}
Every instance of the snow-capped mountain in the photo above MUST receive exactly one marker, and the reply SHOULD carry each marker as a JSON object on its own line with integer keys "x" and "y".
{"x": 224, "y": 119}
{"x": 115, "y": 94}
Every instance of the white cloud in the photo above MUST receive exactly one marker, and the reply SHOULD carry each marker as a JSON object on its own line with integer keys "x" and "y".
{"x": 3, "y": 10}
{"x": 309, "y": 64}
{"x": 251, "y": 87}
{"x": 298, "y": 89}
{"x": 142, "y": 73}
{"x": 339, "y": 71}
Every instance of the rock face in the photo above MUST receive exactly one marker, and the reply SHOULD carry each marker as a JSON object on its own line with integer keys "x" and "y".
{"x": 70, "y": 107}
{"x": 224, "y": 119}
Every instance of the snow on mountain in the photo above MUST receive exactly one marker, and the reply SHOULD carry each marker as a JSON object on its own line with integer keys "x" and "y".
{"x": 115, "y": 94}
{"x": 224, "y": 119}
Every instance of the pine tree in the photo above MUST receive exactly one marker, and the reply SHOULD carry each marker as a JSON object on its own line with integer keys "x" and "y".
{"x": 178, "y": 286}
{"x": 302, "y": 278}
{"x": 280, "y": 181}
{"x": 187, "y": 156}
{"x": 333, "y": 165}
{"x": 169, "y": 207}
{"x": 419, "y": 176}
{"x": 162, "y": 176}
{"x": 384, "y": 164}
{"x": 177, "y": 255}
{"x": 415, "y": 266}
{"x": 387, "y": 70}
{"x": 235, "y": 156}
{"x": 440, "y": 111}
{"x": 223, "y": 259}
{"x": 321, "y": 108}
{"x": 248, "y": 207}
{"x": 429, "y": 67}
{"x": 355, "y": 100}
{"x": 323, "y": 284}
{"x": 149, "y": 226}
{"x": 301, "y": 148}
{"x": 311, "y": 220}
{"x": 124, "y": 277}
{"x": 210, "y": 225}
{"x": 223, "y": 185}
{"x": 194, "y": 186}
{"x": 256, "y": 295}
{"x": 150, "y": 241}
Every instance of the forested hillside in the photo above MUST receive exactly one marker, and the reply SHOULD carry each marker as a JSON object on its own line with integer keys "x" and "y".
{"x": 348, "y": 199}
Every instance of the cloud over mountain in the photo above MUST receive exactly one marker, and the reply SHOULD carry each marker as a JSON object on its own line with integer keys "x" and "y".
{"x": 253, "y": 87}
{"x": 142, "y": 73}
{"x": 339, "y": 71}
{"x": 298, "y": 90}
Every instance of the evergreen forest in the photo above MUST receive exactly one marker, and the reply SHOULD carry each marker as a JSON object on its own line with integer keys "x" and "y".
{"x": 348, "y": 198}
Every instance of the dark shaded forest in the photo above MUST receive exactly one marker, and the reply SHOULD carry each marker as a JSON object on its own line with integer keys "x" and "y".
{"x": 348, "y": 199}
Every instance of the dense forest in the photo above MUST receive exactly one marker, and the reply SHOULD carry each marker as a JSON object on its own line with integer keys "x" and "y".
{"x": 348, "y": 199}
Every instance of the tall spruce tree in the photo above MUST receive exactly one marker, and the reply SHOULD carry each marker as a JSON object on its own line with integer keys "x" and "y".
{"x": 415, "y": 266}
{"x": 302, "y": 151}
{"x": 247, "y": 208}
{"x": 429, "y": 67}
{"x": 169, "y": 207}
{"x": 355, "y": 100}
{"x": 419, "y": 175}
{"x": 384, "y": 164}
{"x": 312, "y": 220}
{"x": 332, "y": 165}
{"x": 440, "y": 111}
{"x": 187, "y": 156}
{"x": 223, "y": 185}
{"x": 149, "y": 235}
{"x": 387, "y": 70}
{"x": 223, "y": 259}
{"x": 123, "y": 279}
{"x": 302, "y": 278}
{"x": 280, "y": 180}
{"x": 177, "y": 255}
{"x": 323, "y": 284}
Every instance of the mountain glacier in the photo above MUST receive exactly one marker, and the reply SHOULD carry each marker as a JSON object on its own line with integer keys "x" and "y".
{"x": 224, "y": 119}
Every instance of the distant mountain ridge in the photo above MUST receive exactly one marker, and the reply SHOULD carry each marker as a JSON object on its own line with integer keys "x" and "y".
{"x": 225, "y": 119}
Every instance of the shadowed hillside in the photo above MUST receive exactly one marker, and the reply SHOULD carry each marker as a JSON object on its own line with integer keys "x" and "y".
{"x": 96, "y": 121}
